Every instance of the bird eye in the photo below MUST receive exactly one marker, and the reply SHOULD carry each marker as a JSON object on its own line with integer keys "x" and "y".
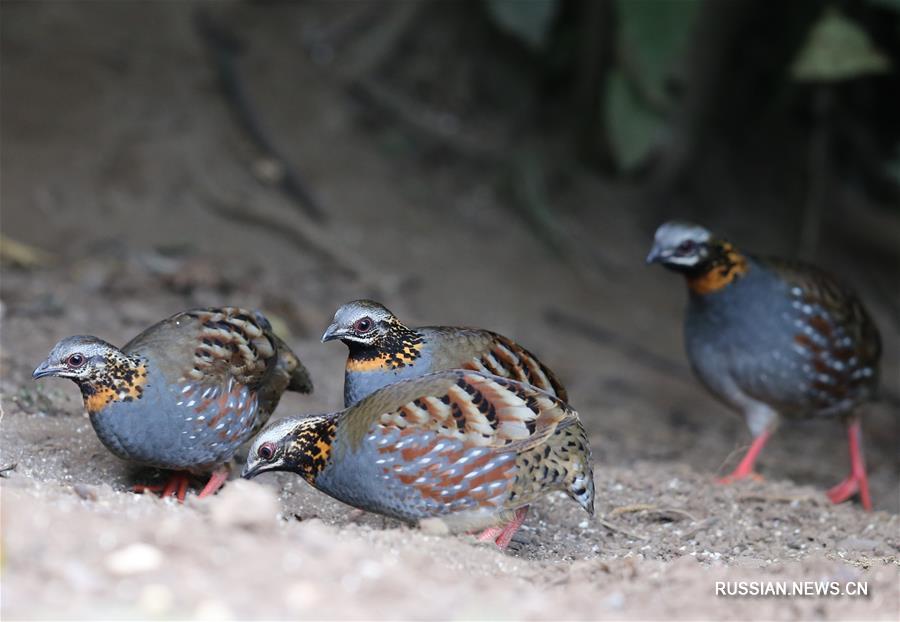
{"x": 363, "y": 325}
{"x": 686, "y": 247}
{"x": 75, "y": 361}
{"x": 266, "y": 451}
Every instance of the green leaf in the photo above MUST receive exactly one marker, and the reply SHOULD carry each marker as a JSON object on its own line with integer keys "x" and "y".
{"x": 837, "y": 49}
{"x": 652, "y": 37}
{"x": 529, "y": 20}
{"x": 633, "y": 128}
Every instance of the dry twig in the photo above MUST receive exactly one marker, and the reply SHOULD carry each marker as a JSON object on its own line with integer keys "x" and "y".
{"x": 615, "y": 528}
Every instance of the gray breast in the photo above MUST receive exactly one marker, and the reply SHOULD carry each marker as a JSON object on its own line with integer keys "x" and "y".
{"x": 359, "y": 384}
{"x": 743, "y": 345}
{"x": 183, "y": 427}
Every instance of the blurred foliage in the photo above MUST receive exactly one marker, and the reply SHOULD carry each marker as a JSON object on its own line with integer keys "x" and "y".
{"x": 528, "y": 20}
{"x": 888, "y": 4}
{"x": 837, "y": 49}
{"x": 642, "y": 85}
{"x": 651, "y": 39}
{"x": 634, "y": 128}
{"x": 893, "y": 165}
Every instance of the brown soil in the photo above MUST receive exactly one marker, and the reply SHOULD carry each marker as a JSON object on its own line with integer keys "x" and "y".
{"x": 116, "y": 149}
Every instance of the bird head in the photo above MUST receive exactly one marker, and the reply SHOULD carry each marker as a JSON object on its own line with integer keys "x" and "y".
{"x": 364, "y": 322}
{"x": 297, "y": 444}
{"x": 680, "y": 246}
{"x": 81, "y": 358}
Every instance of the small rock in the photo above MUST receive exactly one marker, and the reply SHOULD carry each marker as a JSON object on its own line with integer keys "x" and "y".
{"x": 301, "y": 596}
{"x": 155, "y": 599}
{"x": 213, "y": 610}
{"x": 134, "y": 559}
{"x": 244, "y": 504}
{"x": 88, "y": 493}
{"x": 434, "y": 526}
{"x": 616, "y": 600}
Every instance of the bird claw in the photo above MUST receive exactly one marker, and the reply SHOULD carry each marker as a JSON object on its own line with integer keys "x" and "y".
{"x": 503, "y": 535}
{"x": 176, "y": 487}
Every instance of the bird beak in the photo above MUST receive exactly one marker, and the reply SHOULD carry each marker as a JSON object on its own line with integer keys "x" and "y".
{"x": 44, "y": 369}
{"x": 251, "y": 469}
{"x": 333, "y": 332}
{"x": 656, "y": 255}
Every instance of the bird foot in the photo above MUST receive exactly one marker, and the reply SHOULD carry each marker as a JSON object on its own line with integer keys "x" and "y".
{"x": 176, "y": 487}
{"x": 502, "y": 536}
{"x": 178, "y": 483}
{"x": 216, "y": 481}
{"x": 848, "y": 489}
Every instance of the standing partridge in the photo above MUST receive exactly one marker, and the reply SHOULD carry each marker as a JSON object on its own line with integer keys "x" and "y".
{"x": 471, "y": 448}
{"x": 185, "y": 393}
{"x": 774, "y": 338}
{"x": 382, "y": 351}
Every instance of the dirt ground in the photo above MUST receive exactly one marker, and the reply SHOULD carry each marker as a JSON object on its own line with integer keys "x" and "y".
{"x": 118, "y": 153}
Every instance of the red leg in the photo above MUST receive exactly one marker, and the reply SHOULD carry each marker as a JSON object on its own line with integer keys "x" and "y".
{"x": 182, "y": 489}
{"x": 745, "y": 468}
{"x": 489, "y": 534}
{"x": 175, "y": 486}
{"x": 511, "y": 528}
{"x": 857, "y": 481}
{"x": 216, "y": 480}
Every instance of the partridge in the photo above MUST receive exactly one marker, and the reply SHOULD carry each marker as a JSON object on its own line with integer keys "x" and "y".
{"x": 382, "y": 350}
{"x": 185, "y": 393}
{"x": 774, "y": 338}
{"x": 468, "y": 447}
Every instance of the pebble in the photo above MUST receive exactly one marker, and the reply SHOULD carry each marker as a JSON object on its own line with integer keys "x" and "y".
{"x": 434, "y": 526}
{"x": 134, "y": 559}
{"x": 88, "y": 493}
{"x": 213, "y": 610}
{"x": 244, "y": 504}
{"x": 155, "y": 599}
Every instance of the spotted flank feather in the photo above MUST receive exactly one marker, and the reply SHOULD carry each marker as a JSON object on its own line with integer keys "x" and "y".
{"x": 834, "y": 335}
{"x": 481, "y": 410}
{"x": 231, "y": 341}
{"x": 467, "y": 439}
{"x": 503, "y": 357}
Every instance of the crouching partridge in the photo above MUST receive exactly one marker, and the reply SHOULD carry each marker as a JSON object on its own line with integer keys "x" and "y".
{"x": 185, "y": 393}
{"x": 382, "y": 350}
{"x": 774, "y": 338}
{"x": 471, "y": 448}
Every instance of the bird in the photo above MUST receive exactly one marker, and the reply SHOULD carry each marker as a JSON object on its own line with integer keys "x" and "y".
{"x": 774, "y": 338}
{"x": 185, "y": 393}
{"x": 382, "y": 350}
{"x": 470, "y": 448}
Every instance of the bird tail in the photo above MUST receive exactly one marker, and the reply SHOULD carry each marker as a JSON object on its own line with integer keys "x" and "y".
{"x": 289, "y": 365}
{"x": 562, "y": 462}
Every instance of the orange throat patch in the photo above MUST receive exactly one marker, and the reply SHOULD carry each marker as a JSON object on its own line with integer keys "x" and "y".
{"x": 311, "y": 447}
{"x": 384, "y": 360}
{"x": 726, "y": 268}
{"x": 116, "y": 387}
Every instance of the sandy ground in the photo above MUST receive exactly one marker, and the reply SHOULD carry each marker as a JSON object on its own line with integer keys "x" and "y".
{"x": 112, "y": 154}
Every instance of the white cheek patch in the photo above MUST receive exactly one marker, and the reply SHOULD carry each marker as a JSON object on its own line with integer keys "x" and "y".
{"x": 690, "y": 260}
